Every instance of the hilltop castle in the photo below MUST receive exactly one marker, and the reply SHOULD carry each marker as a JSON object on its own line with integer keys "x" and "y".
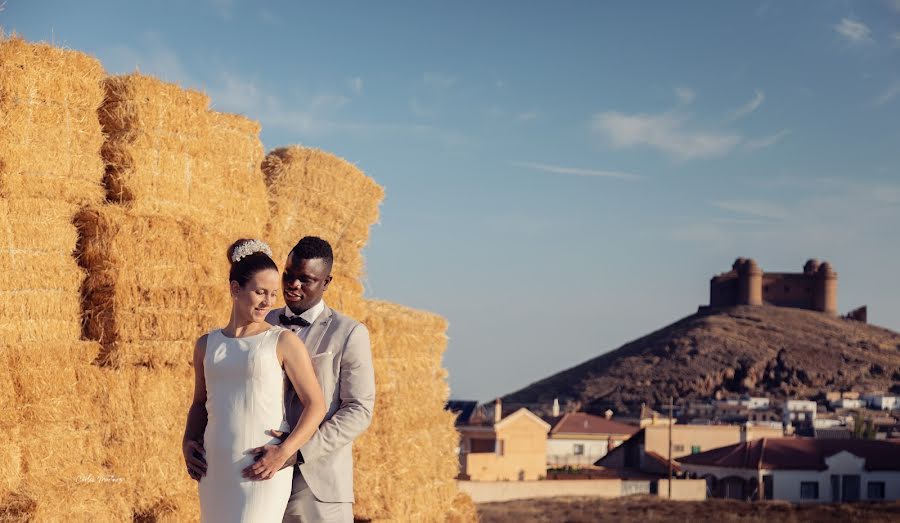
{"x": 746, "y": 284}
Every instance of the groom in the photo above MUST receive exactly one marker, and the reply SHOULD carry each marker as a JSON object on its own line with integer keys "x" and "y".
{"x": 342, "y": 357}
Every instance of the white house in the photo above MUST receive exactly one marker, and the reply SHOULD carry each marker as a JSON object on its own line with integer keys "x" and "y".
{"x": 848, "y": 403}
{"x": 801, "y": 470}
{"x": 800, "y": 412}
{"x": 578, "y": 439}
{"x": 882, "y": 402}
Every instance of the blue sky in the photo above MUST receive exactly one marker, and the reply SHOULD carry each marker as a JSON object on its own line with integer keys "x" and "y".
{"x": 561, "y": 177}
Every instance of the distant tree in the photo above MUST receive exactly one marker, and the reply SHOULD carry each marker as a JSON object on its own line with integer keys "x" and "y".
{"x": 864, "y": 428}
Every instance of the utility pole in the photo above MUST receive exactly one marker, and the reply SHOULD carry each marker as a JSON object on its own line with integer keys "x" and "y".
{"x": 671, "y": 415}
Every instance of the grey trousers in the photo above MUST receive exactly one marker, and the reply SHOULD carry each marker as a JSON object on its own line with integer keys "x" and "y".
{"x": 303, "y": 507}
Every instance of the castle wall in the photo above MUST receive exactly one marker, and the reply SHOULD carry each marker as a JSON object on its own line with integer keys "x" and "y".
{"x": 723, "y": 293}
{"x": 746, "y": 284}
{"x": 789, "y": 290}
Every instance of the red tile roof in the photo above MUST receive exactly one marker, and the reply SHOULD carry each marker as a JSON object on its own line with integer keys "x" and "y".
{"x": 583, "y": 423}
{"x": 797, "y": 454}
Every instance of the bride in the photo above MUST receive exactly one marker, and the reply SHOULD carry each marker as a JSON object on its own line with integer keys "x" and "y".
{"x": 239, "y": 394}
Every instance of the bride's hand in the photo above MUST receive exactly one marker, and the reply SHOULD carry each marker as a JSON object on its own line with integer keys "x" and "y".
{"x": 269, "y": 460}
{"x": 194, "y": 458}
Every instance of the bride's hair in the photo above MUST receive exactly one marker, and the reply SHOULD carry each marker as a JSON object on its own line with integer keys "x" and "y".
{"x": 248, "y": 257}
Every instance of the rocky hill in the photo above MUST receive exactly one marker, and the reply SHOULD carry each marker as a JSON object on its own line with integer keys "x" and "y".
{"x": 758, "y": 350}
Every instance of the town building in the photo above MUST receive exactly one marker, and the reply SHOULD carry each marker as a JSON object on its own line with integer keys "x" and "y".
{"x": 578, "y": 439}
{"x": 800, "y": 470}
{"x": 646, "y": 452}
{"x": 495, "y": 446}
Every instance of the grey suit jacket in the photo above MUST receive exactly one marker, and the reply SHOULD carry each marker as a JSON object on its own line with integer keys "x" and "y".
{"x": 342, "y": 357}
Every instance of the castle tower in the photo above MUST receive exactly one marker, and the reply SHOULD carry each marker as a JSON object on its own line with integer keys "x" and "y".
{"x": 812, "y": 265}
{"x": 749, "y": 282}
{"x": 825, "y": 294}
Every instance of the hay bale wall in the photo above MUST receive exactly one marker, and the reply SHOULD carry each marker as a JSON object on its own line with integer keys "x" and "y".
{"x": 406, "y": 462}
{"x": 185, "y": 182}
{"x": 91, "y": 430}
{"x": 52, "y": 438}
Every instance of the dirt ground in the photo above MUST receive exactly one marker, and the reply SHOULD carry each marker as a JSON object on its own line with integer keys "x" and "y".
{"x": 652, "y": 508}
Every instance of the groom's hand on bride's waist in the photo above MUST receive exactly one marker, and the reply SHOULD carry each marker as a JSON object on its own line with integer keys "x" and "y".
{"x": 267, "y": 456}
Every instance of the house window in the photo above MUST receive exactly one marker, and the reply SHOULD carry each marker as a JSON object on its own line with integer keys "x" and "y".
{"x": 578, "y": 449}
{"x": 809, "y": 490}
{"x": 875, "y": 490}
{"x": 482, "y": 445}
{"x": 677, "y": 448}
{"x": 850, "y": 487}
{"x": 695, "y": 449}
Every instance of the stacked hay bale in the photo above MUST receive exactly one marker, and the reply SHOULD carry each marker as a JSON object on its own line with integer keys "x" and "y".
{"x": 183, "y": 183}
{"x": 314, "y": 193}
{"x": 52, "y": 443}
{"x": 406, "y": 461}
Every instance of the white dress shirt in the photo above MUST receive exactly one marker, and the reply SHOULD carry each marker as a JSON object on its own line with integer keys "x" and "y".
{"x": 309, "y": 315}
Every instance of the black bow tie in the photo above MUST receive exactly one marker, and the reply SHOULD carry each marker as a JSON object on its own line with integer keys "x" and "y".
{"x": 293, "y": 320}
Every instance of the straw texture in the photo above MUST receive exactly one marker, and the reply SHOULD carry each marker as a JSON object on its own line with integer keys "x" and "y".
{"x": 155, "y": 283}
{"x": 167, "y": 153}
{"x": 48, "y": 123}
{"x": 405, "y": 462}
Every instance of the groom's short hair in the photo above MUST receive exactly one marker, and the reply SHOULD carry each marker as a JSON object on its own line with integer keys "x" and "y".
{"x": 311, "y": 248}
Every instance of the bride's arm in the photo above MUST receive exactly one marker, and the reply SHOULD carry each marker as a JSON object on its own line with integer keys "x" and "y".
{"x": 299, "y": 370}
{"x": 192, "y": 444}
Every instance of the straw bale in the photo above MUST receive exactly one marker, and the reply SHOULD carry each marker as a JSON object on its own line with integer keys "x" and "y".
{"x": 40, "y": 298}
{"x": 48, "y": 123}
{"x": 314, "y": 193}
{"x": 58, "y": 447}
{"x": 145, "y": 446}
{"x": 406, "y": 461}
{"x": 10, "y": 460}
{"x": 167, "y": 153}
{"x": 155, "y": 284}
{"x": 44, "y": 381}
{"x": 463, "y": 510}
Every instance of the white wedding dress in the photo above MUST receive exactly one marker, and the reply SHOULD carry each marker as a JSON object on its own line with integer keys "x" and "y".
{"x": 244, "y": 399}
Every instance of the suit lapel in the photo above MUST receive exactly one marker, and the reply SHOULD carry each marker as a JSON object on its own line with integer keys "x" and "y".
{"x": 317, "y": 330}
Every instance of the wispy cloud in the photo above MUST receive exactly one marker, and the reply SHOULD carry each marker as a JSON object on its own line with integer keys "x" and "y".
{"x": 765, "y": 141}
{"x": 889, "y": 94}
{"x": 854, "y": 31}
{"x": 438, "y": 80}
{"x": 685, "y": 95}
{"x": 558, "y": 169}
{"x": 665, "y": 132}
{"x": 753, "y": 208}
{"x": 893, "y": 5}
{"x": 702, "y": 233}
{"x": 526, "y": 116}
{"x": 758, "y": 97}
{"x": 356, "y": 85}
{"x": 153, "y": 56}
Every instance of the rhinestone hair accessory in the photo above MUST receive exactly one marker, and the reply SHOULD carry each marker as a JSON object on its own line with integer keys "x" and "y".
{"x": 249, "y": 247}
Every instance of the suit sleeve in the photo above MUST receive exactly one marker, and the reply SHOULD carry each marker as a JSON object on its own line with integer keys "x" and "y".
{"x": 357, "y": 385}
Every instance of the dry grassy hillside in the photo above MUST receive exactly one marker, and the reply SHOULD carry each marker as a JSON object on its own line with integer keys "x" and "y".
{"x": 764, "y": 350}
